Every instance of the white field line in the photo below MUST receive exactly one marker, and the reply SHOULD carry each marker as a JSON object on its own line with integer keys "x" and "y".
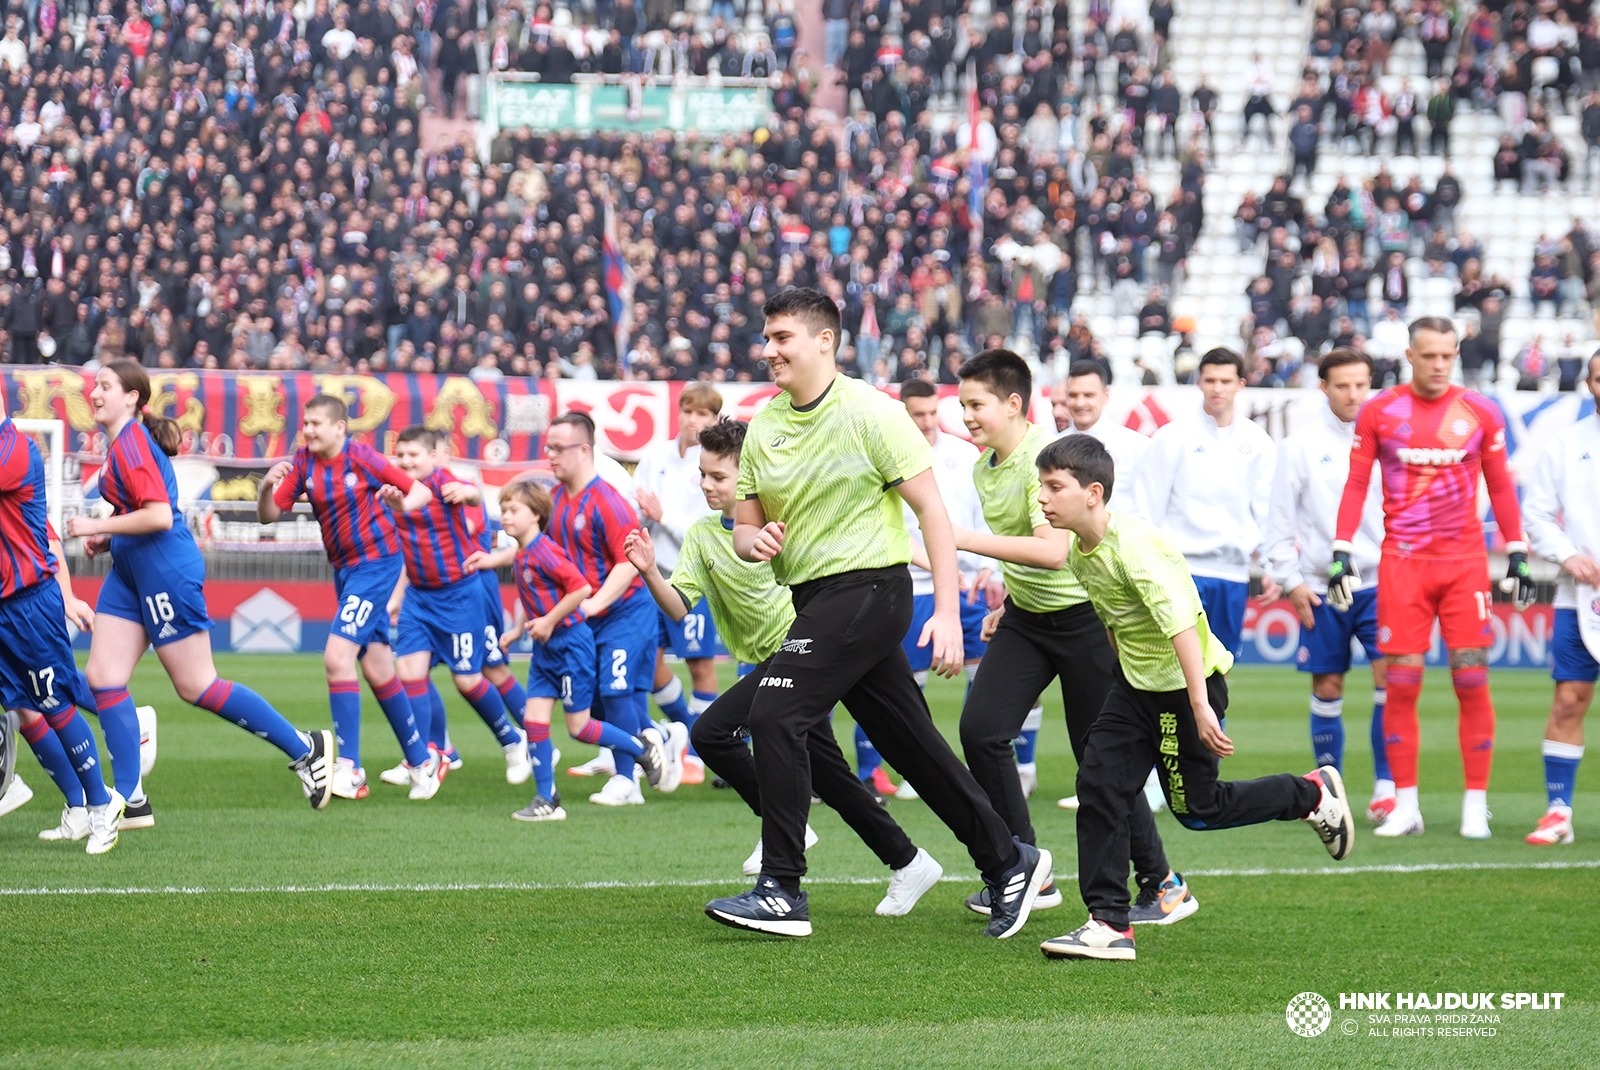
{"x": 715, "y": 882}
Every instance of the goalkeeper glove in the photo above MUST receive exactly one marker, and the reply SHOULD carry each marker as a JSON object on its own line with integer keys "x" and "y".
{"x": 1519, "y": 576}
{"x": 1342, "y": 577}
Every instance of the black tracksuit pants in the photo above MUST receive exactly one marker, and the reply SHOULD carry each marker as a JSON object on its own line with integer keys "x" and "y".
{"x": 718, "y": 737}
{"x": 844, "y": 646}
{"x": 1027, "y": 652}
{"x": 1137, "y": 728}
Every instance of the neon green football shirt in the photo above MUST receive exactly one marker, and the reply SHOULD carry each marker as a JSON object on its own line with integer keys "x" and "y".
{"x": 827, "y": 473}
{"x": 1142, "y": 590}
{"x": 1009, "y": 492}
{"x": 751, "y": 610}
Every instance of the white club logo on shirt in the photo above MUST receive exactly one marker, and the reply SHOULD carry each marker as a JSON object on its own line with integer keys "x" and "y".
{"x": 578, "y": 522}
{"x": 350, "y": 479}
{"x": 1460, "y": 427}
{"x": 527, "y": 575}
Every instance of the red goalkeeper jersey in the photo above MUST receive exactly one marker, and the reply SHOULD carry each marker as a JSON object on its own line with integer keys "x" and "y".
{"x": 1432, "y": 453}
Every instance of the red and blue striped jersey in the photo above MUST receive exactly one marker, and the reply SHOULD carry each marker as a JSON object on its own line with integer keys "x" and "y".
{"x": 437, "y": 538}
{"x": 136, "y": 472}
{"x": 356, "y": 525}
{"x": 591, "y": 528}
{"x": 545, "y": 576}
{"x": 25, "y": 557}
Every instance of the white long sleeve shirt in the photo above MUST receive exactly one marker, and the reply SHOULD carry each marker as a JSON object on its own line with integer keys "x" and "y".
{"x": 953, "y": 459}
{"x": 1210, "y": 488}
{"x": 1561, "y": 509}
{"x": 675, "y": 481}
{"x": 1313, "y": 464}
{"x": 1127, "y": 448}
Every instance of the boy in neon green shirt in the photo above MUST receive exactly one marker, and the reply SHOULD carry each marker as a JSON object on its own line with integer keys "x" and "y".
{"x": 753, "y": 613}
{"x": 1165, "y": 706}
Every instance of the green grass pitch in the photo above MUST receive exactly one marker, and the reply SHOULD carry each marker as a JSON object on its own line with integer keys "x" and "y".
{"x": 253, "y": 931}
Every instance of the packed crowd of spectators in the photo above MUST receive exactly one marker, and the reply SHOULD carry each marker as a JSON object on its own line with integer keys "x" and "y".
{"x": 230, "y": 186}
{"x": 1342, "y": 273}
{"x": 1521, "y": 60}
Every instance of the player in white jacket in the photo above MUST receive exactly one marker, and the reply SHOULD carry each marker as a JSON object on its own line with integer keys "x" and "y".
{"x": 1078, "y": 405}
{"x": 1207, "y": 480}
{"x": 953, "y": 458}
{"x": 1313, "y": 465}
{"x": 1561, "y": 516}
{"x": 667, "y": 490}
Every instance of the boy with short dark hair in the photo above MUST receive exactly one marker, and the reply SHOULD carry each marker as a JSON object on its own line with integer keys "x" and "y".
{"x": 1165, "y": 705}
{"x": 1046, "y": 630}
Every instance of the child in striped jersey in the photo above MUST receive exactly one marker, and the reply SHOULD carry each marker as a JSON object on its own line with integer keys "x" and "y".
{"x": 441, "y": 617}
{"x": 341, "y": 480}
{"x": 550, "y": 589}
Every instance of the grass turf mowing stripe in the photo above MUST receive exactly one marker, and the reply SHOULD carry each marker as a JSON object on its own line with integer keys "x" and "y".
{"x": 717, "y": 882}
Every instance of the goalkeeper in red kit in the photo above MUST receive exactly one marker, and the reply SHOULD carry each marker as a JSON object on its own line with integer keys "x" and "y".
{"x": 1433, "y": 441}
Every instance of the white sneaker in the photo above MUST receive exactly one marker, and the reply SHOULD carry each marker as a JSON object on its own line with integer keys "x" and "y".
{"x": 1028, "y": 773}
{"x": 519, "y": 767}
{"x": 676, "y": 737}
{"x": 74, "y": 825}
{"x": 1475, "y": 821}
{"x": 1402, "y": 821}
{"x": 426, "y": 778}
{"x": 147, "y": 739}
{"x": 619, "y": 791}
{"x": 1069, "y": 803}
{"x": 601, "y": 764}
{"x": 399, "y": 776}
{"x": 16, "y": 796}
{"x": 103, "y": 822}
{"x": 348, "y": 781}
{"x": 752, "y": 865}
{"x": 1153, "y": 793}
{"x": 907, "y": 885}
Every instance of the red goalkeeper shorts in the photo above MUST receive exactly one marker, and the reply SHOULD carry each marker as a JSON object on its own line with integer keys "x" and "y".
{"x": 1413, "y": 592}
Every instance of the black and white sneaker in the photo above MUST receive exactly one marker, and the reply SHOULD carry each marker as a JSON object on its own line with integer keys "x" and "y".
{"x": 1332, "y": 820}
{"x": 1012, "y": 898}
{"x": 766, "y": 908}
{"x": 1092, "y": 940}
{"x": 137, "y": 816}
{"x": 1049, "y": 896}
{"x": 542, "y": 809}
{"x": 316, "y": 769}
{"x": 654, "y": 759}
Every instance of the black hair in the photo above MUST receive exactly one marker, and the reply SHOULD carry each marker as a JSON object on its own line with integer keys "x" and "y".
{"x": 725, "y": 438}
{"x": 1080, "y": 368}
{"x": 1003, "y": 372}
{"x": 1084, "y": 457}
{"x": 918, "y": 388}
{"x": 812, "y": 307}
{"x": 418, "y": 433}
{"x": 1220, "y": 356}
